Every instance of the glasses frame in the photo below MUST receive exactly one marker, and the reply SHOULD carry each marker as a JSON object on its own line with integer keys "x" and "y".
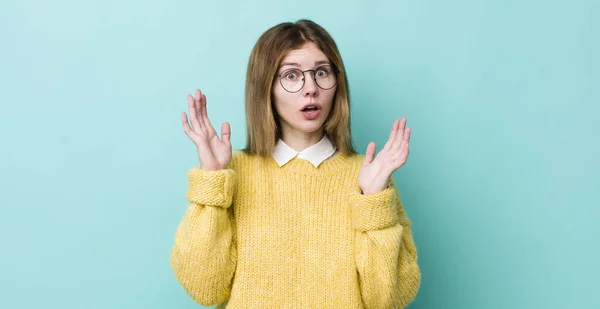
{"x": 314, "y": 71}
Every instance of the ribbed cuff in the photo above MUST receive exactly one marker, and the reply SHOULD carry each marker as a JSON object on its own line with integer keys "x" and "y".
{"x": 211, "y": 188}
{"x": 373, "y": 211}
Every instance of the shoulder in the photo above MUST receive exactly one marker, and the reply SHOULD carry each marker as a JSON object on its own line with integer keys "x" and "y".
{"x": 356, "y": 158}
{"x": 240, "y": 158}
{"x": 350, "y": 163}
{"x": 236, "y": 157}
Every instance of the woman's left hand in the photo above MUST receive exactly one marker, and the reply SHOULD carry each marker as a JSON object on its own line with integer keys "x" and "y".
{"x": 375, "y": 173}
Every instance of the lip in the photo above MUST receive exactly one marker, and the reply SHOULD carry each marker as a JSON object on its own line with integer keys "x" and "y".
{"x": 313, "y": 104}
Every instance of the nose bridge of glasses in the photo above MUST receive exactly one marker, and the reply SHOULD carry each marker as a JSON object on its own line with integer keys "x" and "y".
{"x": 313, "y": 76}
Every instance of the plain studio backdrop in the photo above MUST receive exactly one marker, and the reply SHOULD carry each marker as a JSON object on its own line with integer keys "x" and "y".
{"x": 503, "y": 98}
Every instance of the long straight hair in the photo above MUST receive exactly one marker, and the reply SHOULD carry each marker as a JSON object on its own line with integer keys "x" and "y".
{"x": 263, "y": 123}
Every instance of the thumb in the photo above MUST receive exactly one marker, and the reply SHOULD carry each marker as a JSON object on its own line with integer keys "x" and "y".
{"x": 370, "y": 153}
{"x": 226, "y": 132}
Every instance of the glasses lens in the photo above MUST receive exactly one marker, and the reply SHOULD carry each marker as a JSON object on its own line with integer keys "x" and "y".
{"x": 325, "y": 77}
{"x": 292, "y": 80}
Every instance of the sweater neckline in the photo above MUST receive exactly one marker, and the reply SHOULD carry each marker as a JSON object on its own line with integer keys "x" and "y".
{"x": 334, "y": 165}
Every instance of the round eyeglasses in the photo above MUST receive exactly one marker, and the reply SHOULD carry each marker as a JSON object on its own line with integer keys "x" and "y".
{"x": 292, "y": 80}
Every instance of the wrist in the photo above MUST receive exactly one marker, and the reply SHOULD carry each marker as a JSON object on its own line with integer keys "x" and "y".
{"x": 209, "y": 168}
{"x": 376, "y": 188}
{"x": 372, "y": 191}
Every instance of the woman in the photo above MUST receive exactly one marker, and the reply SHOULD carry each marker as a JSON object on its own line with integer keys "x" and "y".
{"x": 297, "y": 219}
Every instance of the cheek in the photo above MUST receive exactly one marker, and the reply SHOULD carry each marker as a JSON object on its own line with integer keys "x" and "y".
{"x": 280, "y": 106}
{"x": 277, "y": 98}
{"x": 283, "y": 100}
{"x": 330, "y": 96}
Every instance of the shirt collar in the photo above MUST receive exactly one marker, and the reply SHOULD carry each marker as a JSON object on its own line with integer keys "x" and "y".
{"x": 316, "y": 154}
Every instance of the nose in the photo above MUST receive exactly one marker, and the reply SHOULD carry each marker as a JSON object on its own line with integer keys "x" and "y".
{"x": 310, "y": 86}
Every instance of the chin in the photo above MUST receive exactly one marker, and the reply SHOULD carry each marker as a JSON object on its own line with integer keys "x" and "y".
{"x": 310, "y": 128}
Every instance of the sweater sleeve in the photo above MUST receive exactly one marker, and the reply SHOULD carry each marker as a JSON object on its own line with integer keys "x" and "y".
{"x": 204, "y": 255}
{"x": 385, "y": 252}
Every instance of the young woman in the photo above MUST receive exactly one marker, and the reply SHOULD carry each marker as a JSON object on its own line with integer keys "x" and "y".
{"x": 296, "y": 219}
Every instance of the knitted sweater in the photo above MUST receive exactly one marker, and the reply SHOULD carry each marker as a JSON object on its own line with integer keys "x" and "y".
{"x": 256, "y": 235}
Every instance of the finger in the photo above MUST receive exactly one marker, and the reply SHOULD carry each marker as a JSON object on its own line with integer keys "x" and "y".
{"x": 399, "y": 138}
{"x": 186, "y": 125}
{"x": 206, "y": 123}
{"x": 370, "y": 154}
{"x": 404, "y": 149}
{"x": 193, "y": 113}
{"x": 407, "y": 135}
{"x": 390, "y": 140}
{"x": 198, "y": 103}
{"x": 226, "y": 132}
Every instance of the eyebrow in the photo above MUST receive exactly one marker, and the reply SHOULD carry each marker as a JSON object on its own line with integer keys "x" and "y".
{"x": 297, "y": 65}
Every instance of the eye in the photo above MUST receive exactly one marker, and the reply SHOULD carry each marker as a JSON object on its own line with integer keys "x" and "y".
{"x": 291, "y": 75}
{"x": 322, "y": 72}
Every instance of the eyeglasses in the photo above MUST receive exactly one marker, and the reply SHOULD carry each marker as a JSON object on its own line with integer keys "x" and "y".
{"x": 292, "y": 80}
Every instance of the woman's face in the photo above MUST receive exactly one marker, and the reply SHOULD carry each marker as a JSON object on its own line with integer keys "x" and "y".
{"x": 290, "y": 104}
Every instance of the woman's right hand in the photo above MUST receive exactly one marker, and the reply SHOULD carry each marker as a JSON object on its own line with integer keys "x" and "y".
{"x": 214, "y": 153}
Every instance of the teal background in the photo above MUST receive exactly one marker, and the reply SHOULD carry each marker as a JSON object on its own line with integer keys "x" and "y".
{"x": 503, "y": 98}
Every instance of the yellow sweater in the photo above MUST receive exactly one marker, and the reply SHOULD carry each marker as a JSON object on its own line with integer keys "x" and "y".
{"x": 257, "y": 235}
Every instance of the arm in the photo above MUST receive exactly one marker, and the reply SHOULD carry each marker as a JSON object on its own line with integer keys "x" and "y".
{"x": 204, "y": 255}
{"x": 385, "y": 252}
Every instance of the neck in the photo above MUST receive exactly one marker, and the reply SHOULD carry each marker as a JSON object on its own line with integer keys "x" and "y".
{"x": 301, "y": 140}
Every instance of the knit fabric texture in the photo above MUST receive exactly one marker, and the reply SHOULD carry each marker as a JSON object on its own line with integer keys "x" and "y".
{"x": 256, "y": 235}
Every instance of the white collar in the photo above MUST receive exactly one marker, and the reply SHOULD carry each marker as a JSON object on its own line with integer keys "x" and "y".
{"x": 316, "y": 154}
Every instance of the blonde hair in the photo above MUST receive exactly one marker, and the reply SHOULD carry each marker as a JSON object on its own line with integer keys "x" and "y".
{"x": 262, "y": 121}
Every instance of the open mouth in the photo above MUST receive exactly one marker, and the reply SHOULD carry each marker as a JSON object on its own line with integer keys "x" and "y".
{"x": 310, "y": 108}
{"x": 311, "y": 112}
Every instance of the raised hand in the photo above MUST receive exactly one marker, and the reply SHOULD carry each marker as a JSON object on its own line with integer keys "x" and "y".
{"x": 375, "y": 173}
{"x": 214, "y": 153}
